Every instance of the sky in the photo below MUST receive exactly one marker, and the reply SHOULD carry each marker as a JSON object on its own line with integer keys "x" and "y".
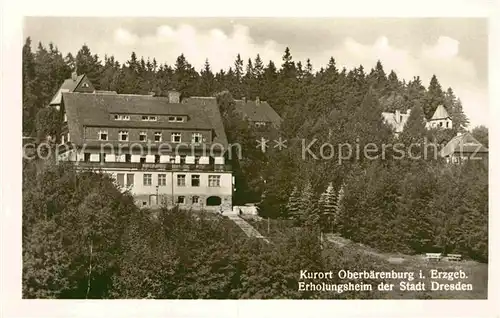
{"x": 454, "y": 49}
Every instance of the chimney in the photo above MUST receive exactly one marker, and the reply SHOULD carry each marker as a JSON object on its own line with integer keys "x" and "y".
{"x": 74, "y": 76}
{"x": 174, "y": 97}
{"x": 257, "y": 100}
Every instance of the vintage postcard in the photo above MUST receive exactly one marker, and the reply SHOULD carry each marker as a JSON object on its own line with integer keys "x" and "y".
{"x": 239, "y": 158}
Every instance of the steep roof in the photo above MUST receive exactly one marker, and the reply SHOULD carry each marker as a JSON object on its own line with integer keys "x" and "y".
{"x": 211, "y": 109}
{"x": 69, "y": 85}
{"x": 261, "y": 111}
{"x": 440, "y": 113}
{"x": 91, "y": 109}
{"x": 464, "y": 143}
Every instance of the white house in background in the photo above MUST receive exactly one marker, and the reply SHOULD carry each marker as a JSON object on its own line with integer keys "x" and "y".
{"x": 440, "y": 119}
{"x": 397, "y": 119}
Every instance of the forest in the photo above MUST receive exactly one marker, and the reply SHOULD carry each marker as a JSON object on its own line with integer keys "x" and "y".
{"x": 83, "y": 238}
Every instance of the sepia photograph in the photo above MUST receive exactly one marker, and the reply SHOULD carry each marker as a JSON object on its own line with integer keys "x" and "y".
{"x": 265, "y": 159}
{"x": 254, "y": 158}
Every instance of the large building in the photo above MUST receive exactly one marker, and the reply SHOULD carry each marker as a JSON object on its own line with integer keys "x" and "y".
{"x": 161, "y": 149}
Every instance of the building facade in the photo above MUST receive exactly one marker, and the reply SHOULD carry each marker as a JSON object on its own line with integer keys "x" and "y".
{"x": 440, "y": 119}
{"x": 161, "y": 150}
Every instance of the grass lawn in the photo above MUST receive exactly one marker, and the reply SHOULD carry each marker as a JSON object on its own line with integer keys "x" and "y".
{"x": 476, "y": 273}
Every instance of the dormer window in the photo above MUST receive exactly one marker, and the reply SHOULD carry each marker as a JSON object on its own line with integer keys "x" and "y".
{"x": 176, "y": 137}
{"x": 176, "y": 119}
{"x": 102, "y": 135}
{"x": 197, "y": 138}
{"x": 123, "y": 134}
{"x": 85, "y": 85}
{"x": 158, "y": 136}
{"x": 143, "y": 136}
{"x": 149, "y": 118}
{"x": 122, "y": 117}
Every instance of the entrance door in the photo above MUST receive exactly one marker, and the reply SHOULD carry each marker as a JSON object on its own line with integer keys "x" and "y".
{"x": 153, "y": 200}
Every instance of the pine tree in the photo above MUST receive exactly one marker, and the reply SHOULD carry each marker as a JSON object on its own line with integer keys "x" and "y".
{"x": 433, "y": 98}
{"x": 294, "y": 204}
{"x": 327, "y": 204}
{"x": 207, "y": 85}
{"x": 455, "y": 109}
{"x": 88, "y": 64}
{"x": 339, "y": 207}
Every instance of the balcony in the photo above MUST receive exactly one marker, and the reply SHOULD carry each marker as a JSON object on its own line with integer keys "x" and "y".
{"x": 154, "y": 166}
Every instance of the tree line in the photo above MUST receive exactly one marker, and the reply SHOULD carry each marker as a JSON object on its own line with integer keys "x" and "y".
{"x": 398, "y": 205}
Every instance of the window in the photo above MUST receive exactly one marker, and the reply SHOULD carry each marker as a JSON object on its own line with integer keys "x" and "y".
{"x": 147, "y": 179}
{"x": 144, "y": 203}
{"x": 176, "y": 137}
{"x": 195, "y": 180}
{"x": 157, "y": 158}
{"x": 162, "y": 179}
{"x": 86, "y": 157}
{"x": 158, "y": 136}
{"x": 180, "y": 199}
{"x": 120, "y": 178}
{"x": 143, "y": 136}
{"x": 440, "y": 124}
{"x": 171, "y": 118}
{"x": 183, "y": 159}
{"x": 149, "y": 118}
{"x": 197, "y": 138}
{"x": 103, "y": 135}
{"x": 122, "y": 117}
{"x": 130, "y": 179}
{"x": 142, "y": 160}
{"x": 123, "y": 135}
{"x": 446, "y": 124}
{"x": 179, "y": 119}
{"x": 181, "y": 180}
{"x": 196, "y": 160}
{"x": 213, "y": 181}
{"x": 196, "y": 200}
{"x": 85, "y": 85}
{"x": 128, "y": 157}
{"x": 67, "y": 137}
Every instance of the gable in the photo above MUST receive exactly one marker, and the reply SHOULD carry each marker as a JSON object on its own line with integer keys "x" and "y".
{"x": 85, "y": 86}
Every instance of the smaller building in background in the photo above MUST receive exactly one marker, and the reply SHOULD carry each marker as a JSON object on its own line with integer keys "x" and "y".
{"x": 440, "y": 119}
{"x": 75, "y": 84}
{"x": 464, "y": 147}
{"x": 396, "y": 120}
{"x": 259, "y": 113}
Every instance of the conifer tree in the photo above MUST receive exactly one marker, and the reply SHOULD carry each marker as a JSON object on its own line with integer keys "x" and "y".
{"x": 327, "y": 205}
{"x": 294, "y": 204}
